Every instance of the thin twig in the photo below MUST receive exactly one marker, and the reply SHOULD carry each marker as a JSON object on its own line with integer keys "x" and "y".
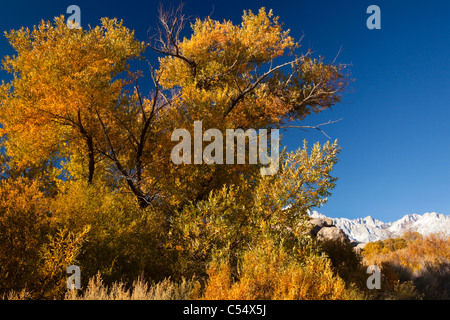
{"x": 316, "y": 127}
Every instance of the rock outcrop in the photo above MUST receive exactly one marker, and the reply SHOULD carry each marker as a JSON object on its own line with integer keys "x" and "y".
{"x": 324, "y": 229}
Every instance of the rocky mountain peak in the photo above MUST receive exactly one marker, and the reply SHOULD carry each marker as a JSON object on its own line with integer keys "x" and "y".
{"x": 369, "y": 229}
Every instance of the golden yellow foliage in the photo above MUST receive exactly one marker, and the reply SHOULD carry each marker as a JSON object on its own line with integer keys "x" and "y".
{"x": 69, "y": 98}
{"x": 409, "y": 251}
{"x": 65, "y": 81}
{"x": 256, "y": 208}
{"x": 24, "y": 225}
{"x": 231, "y": 67}
{"x": 413, "y": 266}
{"x": 269, "y": 273}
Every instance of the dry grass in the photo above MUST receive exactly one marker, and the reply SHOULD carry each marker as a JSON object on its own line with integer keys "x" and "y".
{"x": 21, "y": 295}
{"x": 140, "y": 290}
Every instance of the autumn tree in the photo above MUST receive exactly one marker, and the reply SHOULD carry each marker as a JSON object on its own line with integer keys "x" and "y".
{"x": 231, "y": 71}
{"x": 68, "y": 96}
{"x": 72, "y": 98}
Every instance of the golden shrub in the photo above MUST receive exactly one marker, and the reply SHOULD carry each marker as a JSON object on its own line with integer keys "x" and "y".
{"x": 413, "y": 266}
{"x": 268, "y": 273}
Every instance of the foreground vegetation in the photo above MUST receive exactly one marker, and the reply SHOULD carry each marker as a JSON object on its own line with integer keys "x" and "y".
{"x": 419, "y": 264}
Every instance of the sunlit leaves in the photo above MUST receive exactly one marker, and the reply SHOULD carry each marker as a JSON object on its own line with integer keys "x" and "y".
{"x": 233, "y": 218}
{"x": 232, "y": 70}
{"x": 266, "y": 272}
{"x": 63, "y": 79}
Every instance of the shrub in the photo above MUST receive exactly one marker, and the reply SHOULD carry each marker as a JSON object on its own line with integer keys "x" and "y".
{"x": 267, "y": 272}
{"x": 59, "y": 253}
{"x": 125, "y": 241}
{"x": 24, "y": 226}
{"x": 434, "y": 280}
{"x": 415, "y": 267}
{"x": 405, "y": 291}
{"x": 345, "y": 262}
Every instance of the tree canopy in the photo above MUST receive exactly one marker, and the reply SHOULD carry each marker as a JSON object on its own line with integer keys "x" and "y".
{"x": 71, "y": 96}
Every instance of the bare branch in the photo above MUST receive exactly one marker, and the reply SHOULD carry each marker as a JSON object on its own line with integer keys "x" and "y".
{"x": 166, "y": 41}
{"x": 337, "y": 55}
{"x": 316, "y": 127}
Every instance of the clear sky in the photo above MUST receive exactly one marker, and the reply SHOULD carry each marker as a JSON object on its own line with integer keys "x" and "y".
{"x": 395, "y": 132}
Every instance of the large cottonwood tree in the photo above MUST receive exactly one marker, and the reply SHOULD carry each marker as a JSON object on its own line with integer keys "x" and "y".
{"x": 71, "y": 97}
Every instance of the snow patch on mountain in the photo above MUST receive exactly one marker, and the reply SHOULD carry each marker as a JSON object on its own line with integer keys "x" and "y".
{"x": 369, "y": 229}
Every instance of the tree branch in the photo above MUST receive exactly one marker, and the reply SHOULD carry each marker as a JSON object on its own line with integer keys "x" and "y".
{"x": 316, "y": 127}
{"x": 251, "y": 87}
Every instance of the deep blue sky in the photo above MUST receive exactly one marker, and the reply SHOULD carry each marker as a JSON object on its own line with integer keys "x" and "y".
{"x": 395, "y": 132}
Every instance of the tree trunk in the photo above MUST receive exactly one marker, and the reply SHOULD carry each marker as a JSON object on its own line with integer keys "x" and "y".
{"x": 90, "y": 146}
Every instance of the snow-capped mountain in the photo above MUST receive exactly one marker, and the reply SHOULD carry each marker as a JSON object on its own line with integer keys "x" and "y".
{"x": 368, "y": 229}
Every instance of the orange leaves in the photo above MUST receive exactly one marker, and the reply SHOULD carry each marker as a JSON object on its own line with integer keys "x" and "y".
{"x": 231, "y": 70}
{"x": 23, "y": 225}
{"x": 63, "y": 81}
{"x": 251, "y": 210}
{"x": 259, "y": 38}
{"x": 72, "y": 97}
{"x": 412, "y": 262}
{"x": 68, "y": 96}
{"x": 224, "y": 55}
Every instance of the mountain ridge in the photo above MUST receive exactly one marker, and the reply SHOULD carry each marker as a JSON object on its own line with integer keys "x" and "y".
{"x": 368, "y": 229}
